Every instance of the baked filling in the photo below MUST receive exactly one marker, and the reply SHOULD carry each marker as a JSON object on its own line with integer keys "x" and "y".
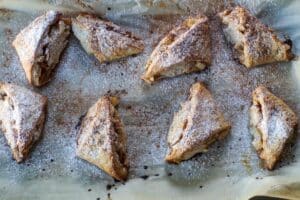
{"x": 118, "y": 143}
{"x": 49, "y": 51}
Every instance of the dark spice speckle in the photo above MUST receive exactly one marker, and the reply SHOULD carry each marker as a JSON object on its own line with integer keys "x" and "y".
{"x": 145, "y": 177}
{"x": 109, "y": 186}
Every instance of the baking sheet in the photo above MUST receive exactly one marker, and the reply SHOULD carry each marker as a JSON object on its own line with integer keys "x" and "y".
{"x": 229, "y": 170}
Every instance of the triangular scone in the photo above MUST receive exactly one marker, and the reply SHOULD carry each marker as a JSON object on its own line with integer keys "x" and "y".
{"x": 102, "y": 140}
{"x": 40, "y": 45}
{"x": 272, "y": 124}
{"x": 186, "y": 49}
{"x": 105, "y": 40}
{"x": 198, "y": 124}
{"x": 254, "y": 43}
{"x": 22, "y": 116}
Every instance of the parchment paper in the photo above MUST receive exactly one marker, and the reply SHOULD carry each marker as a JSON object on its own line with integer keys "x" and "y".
{"x": 229, "y": 170}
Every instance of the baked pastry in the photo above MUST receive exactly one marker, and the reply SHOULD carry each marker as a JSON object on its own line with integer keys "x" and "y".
{"x": 186, "y": 49}
{"x": 22, "y": 116}
{"x": 198, "y": 124}
{"x": 272, "y": 124}
{"x": 40, "y": 45}
{"x": 254, "y": 43}
{"x": 102, "y": 139}
{"x": 104, "y": 39}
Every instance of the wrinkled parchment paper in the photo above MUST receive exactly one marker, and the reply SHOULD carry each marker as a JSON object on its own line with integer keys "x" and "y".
{"x": 229, "y": 170}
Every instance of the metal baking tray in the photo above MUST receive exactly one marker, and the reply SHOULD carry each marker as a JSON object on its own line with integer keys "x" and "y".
{"x": 229, "y": 170}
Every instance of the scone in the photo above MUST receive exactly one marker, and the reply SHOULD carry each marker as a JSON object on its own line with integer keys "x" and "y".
{"x": 105, "y": 40}
{"x": 22, "y": 116}
{"x": 254, "y": 43}
{"x": 198, "y": 124}
{"x": 102, "y": 139}
{"x": 272, "y": 124}
{"x": 40, "y": 45}
{"x": 186, "y": 49}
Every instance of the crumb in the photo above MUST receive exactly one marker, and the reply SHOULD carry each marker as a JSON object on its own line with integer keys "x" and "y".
{"x": 170, "y": 174}
{"x": 116, "y": 181}
{"x": 242, "y": 107}
{"x": 128, "y": 107}
{"x": 145, "y": 177}
{"x": 108, "y": 186}
{"x": 200, "y": 186}
{"x": 108, "y": 8}
{"x": 89, "y": 190}
{"x": 145, "y": 167}
{"x": 79, "y": 121}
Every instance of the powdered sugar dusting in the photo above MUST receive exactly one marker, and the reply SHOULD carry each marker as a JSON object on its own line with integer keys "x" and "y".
{"x": 146, "y": 111}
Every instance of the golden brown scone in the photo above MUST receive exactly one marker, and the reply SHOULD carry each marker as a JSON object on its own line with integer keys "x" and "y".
{"x": 198, "y": 124}
{"x": 22, "y": 116}
{"x": 254, "y": 43}
{"x": 40, "y": 45}
{"x": 272, "y": 124}
{"x": 102, "y": 139}
{"x": 105, "y": 40}
{"x": 186, "y": 49}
